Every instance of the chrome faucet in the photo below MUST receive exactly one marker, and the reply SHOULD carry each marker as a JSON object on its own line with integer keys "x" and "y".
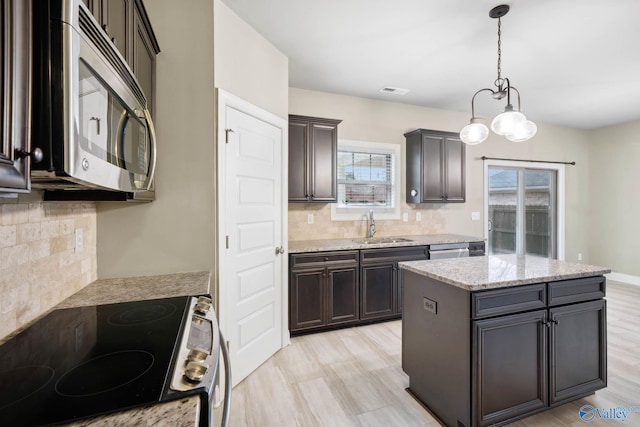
{"x": 372, "y": 224}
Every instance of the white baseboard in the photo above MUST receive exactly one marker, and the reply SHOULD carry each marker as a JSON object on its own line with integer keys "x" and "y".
{"x": 624, "y": 278}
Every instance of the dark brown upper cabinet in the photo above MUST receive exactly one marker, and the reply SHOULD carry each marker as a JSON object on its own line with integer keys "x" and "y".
{"x": 128, "y": 26}
{"x": 313, "y": 150}
{"x": 435, "y": 167}
{"x": 15, "y": 93}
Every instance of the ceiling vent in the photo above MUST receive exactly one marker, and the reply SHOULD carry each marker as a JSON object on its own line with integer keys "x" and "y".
{"x": 394, "y": 90}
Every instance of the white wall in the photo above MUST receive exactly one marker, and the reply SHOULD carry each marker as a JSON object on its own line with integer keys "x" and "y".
{"x": 247, "y": 65}
{"x": 615, "y": 197}
{"x": 371, "y": 120}
{"x": 176, "y": 232}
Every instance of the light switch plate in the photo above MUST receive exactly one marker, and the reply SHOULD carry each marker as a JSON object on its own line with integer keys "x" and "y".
{"x": 418, "y": 216}
{"x": 475, "y": 216}
{"x": 310, "y": 218}
{"x": 405, "y": 217}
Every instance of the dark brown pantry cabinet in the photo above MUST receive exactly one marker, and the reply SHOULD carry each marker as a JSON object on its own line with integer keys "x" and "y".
{"x": 323, "y": 290}
{"x": 313, "y": 150}
{"x": 435, "y": 167}
{"x": 15, "y": 92}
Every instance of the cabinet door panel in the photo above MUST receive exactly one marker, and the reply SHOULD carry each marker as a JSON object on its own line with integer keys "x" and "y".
{"x": 510, "y": 366}
{"x": 378, "y": 291}
{"x": 432, "y": 161}
{"x": 307, "y": 305}
{"x": 15, "y": 91}
{"x": 454, "y": 172}
{"x": 298, "y": 136}
{"x": 118, "y": 17}
{"x": 343, "y": 295}
{"x": 323, "y": 162}
{"x": 578, "y": 350}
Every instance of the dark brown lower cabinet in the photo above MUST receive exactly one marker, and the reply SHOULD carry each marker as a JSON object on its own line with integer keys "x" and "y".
{"x": 578, "y": 350}
{"x": 494, "y": 356}
{"x": 323, "y": 291}
{"x": 510, "y": 361}
{"x": 379, "y": 284}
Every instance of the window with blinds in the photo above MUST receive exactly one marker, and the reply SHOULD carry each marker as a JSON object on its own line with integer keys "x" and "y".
{"x": 365, "y": 179}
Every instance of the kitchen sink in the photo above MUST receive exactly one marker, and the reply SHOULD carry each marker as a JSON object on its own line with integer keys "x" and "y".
{"x": 374, "y": 241}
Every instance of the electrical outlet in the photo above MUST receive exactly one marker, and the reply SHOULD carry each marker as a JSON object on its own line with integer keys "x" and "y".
{"x": 418, "y": 216}
{"x": 79, "y": 244}
{"x": 310, "y": 218}
{"x": 405, "y": 217}
{"x": 580, "y": 257}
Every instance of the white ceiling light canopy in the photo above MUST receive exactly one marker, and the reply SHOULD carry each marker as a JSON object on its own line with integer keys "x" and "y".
{"x": 512, "y": 124}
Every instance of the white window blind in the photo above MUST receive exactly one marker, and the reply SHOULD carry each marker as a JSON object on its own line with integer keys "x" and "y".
{"x": 366, "y": 179}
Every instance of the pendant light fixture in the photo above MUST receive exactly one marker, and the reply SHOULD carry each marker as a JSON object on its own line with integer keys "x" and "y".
{"x": 511, "y": 123}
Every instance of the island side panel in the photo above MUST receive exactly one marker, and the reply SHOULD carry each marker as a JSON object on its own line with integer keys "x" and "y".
{"x": 436, "y": 346}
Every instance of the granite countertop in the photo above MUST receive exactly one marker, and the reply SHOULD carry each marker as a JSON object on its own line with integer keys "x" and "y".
{"x": 500, "y": 271}
{"x": 184, "y": 412}
{"x": 346, "y": 244}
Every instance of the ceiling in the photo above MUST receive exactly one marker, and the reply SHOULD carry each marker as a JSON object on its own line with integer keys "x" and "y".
{"x": 576, "y": 63}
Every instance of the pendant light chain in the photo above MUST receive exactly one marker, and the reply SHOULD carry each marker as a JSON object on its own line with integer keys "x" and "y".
{"x": 499, "y": 80}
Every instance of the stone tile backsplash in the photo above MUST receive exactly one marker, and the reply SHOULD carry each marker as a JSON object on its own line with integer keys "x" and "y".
{"x": 39, "y": 266}
{"x": 433, "y": 222}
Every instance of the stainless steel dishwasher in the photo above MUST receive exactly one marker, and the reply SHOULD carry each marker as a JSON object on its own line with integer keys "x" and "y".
{"x": 449, "y": 250}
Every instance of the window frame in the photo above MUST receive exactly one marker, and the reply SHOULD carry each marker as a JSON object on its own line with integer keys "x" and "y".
{"x": 358, "y": 213}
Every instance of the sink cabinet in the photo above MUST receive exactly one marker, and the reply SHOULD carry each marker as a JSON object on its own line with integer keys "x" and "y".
{"x": 381, "y": 291}
{"x": 313, "y": 153}
{"x": 435, "y": 169}
{"x": 15, "y": 88}
{"x": 323, "y": 290}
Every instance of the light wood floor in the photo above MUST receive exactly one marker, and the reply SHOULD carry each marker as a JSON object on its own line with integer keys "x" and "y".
{"x": 353, "y": 377}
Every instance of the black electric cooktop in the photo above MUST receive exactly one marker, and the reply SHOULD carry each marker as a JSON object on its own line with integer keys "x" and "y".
{"x": 80, "y": 362}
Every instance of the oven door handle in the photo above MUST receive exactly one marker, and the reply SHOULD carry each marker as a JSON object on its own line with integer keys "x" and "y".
{"x": 226, "y": 411}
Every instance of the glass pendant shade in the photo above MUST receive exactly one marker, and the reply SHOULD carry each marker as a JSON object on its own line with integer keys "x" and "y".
{"x": 474, "y": 133}
{"x": 507, "y": 122}
{"x": 523, "y": 132}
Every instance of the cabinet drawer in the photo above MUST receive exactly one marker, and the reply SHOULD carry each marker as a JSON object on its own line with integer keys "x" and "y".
{"x": 407, "y": 253}
{"x": 315, "y": 259}
{"x": 508, "y": 300}
{"x": 576, "y": 290}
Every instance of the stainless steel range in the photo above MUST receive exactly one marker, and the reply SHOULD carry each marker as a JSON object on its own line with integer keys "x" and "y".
{"x": 82, "y": 362}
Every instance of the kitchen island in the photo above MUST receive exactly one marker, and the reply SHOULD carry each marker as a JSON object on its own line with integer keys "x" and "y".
{"x": 488, "y": 340}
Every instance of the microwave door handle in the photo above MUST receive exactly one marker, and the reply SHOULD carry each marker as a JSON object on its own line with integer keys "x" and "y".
{"x": 152, "y": 136}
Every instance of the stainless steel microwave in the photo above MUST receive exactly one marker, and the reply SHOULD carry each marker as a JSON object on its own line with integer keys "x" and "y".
{"x": 90, "y": 117}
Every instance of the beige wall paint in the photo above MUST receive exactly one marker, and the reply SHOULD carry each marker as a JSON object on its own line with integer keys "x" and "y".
{"x": 176, "y": 232}
{"x": 371, "y": 120}
{"x": 247, "y": 65}
{"x": 39, "y": 266}
{"x": 615, "y": 198}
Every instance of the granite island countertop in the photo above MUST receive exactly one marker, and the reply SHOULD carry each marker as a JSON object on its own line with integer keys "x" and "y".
{"x": 322, "y": 245}
{"x": 500, "y": 271}
{"x": 183, "y": 412}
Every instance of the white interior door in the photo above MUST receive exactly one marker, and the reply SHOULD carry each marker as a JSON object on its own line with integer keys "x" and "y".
{"x": 253, "y": 231}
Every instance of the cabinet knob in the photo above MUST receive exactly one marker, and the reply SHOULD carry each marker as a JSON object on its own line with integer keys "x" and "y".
{"x": 114, "y": 41}
{"x": 105, "y": 28}
{"x": 414, "y": 192}
{"x": 279, "y": 250}
{"x": 36, "y": 154}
